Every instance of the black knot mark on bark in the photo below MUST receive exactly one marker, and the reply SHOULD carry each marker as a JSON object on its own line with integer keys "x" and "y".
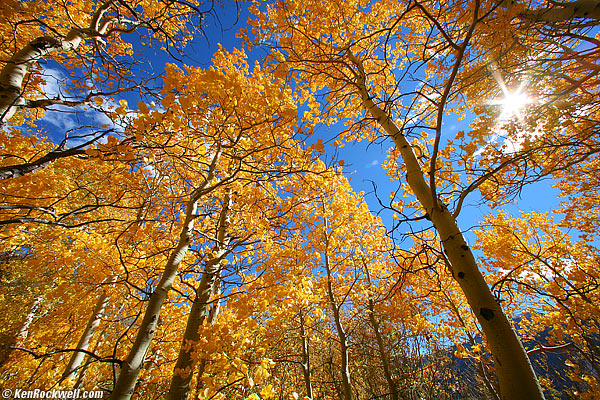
{"x": 486, "y": 313}
{"x": 465, "y": 247}
{"x": 461, "y": 274}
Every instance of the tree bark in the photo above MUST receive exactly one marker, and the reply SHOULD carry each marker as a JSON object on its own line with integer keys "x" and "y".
{"x": 387, "y": 369}
{"x": 15, "y": 70}
{"x": 212, "y": 316}
{"x": 563, "y": 12}
{"x": 24, "y": 331}
{"x": 515, "y": 374}
{"x": 335, "y": 308}
{"x": 132, "y": 366}
{"x": 305, "y": 364}
{"x": 15, "y": 171}
{"x": 84, "y": 341}
{"x": 184, "y": 367}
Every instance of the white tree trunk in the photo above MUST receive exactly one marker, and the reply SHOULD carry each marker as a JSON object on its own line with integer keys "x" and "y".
{"x": 24, "y": 331}
{"x": 184, "y": 367}
{"x": 343, "y": 340}
{"x": 515, "y": 374}
{"x": 15, "y": 70}
{"x": 83, "y": 369}
{"x": 84, "y": 341}
{"x": 132, "y": 366}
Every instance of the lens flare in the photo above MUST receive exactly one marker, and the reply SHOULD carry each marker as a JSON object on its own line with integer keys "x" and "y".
{"x": 512, "y": 103}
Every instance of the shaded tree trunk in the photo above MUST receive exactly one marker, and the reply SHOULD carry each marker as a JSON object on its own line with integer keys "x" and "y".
{"x": 86, "y": 336}
{"x": 335, "y": 308}
{"x": 387, "y": 369}
{"x": 305, "y": 364}
{"x": 184, "y": 367}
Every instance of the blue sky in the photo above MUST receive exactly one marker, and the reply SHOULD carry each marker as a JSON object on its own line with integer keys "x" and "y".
{"x": 363, "y": 160}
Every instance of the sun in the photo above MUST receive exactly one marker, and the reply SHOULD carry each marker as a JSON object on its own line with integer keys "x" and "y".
{"x": 512, "y": 103}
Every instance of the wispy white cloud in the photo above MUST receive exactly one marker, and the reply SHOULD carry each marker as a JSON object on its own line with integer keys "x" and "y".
{"x": 372, "y": 163}
{"x": 53, "y": 78}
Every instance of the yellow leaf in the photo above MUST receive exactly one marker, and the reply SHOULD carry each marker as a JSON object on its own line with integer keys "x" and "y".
{"x": 143, "y": 107}
{"x": 319, "y": 146}
{"x": 267, "y": 392}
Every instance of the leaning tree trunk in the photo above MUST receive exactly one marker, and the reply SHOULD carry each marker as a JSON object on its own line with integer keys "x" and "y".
{"x": 86, "y": 336}
{"x": 184, "y": 367}
{"x": 14, "y": 72}
{"x": 515, "y": 374}
{"x": 24, "y": 331}
{"x": 132, "y": 366}
{"x": 385, "y": 360}
{"x": 335, "y": 308}
{"x": 210, "y": 320}
{"x": 305, "y": 364}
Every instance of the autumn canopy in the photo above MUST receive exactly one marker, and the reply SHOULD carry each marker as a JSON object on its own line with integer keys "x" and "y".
{"x": 178, "y": 218}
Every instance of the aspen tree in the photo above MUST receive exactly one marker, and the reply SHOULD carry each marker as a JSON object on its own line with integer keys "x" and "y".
{"x": 185, "y": 366}
{"x": 86, "y": 336}
{"x": 348, "y": 80}
{"x": 132, "y": 366}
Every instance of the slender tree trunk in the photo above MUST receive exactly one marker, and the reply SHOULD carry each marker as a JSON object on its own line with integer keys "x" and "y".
{"x": 305, "y": 364}
{"x": 15, "y": 70}
{"x": 132, "y": 366}
{"x": 335, "y": 308}
{"x": 212, "y": 316}
{"x": 86, "y": 364}
{"x": 387, "y": 369}
{"x": 16, "y": 338}
{"x": 24, "y": 331}
{"x": 184, "y": 367}
{"x": 515, "y": 373}
{"x": 86, "y": 336}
